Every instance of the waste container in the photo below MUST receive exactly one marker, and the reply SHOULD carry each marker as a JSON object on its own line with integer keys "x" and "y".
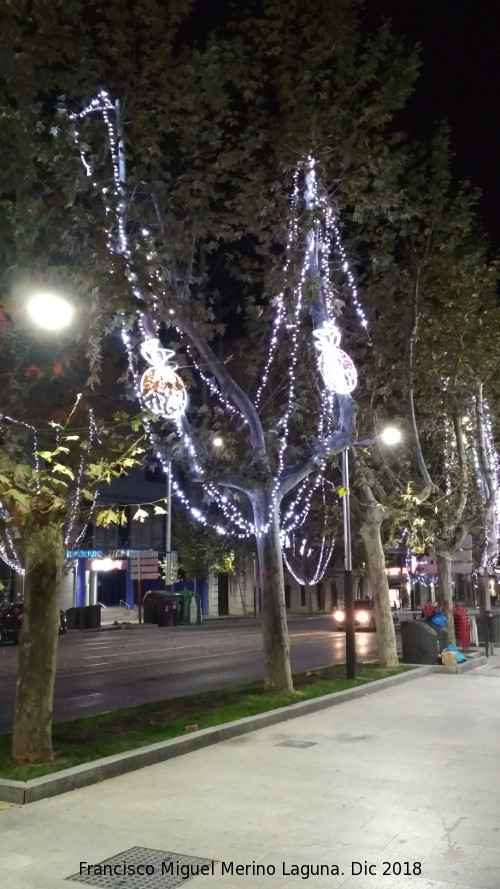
{"x": 419, "y": 642}
{"x": 167, "y": 610}
{"x": 152, "y": 605}
{"x": 493, "y": 626}
{"x": 89, "y": 617}
{"x": 442, "y": 634}
{"x": 189, "y": 614}
{"x": 72, "y": 619}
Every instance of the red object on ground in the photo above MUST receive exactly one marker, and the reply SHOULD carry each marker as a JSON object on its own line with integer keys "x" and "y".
{"x": 460, "y": 620}
{"x": 462, "y": 625}
{"x": 191, "y": 728}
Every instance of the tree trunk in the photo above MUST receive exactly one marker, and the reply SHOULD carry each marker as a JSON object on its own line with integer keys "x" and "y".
{"x": 44, "y": 558}
{"x": 445, "y": 591}
{"x": 277, "y": 671}
{"x": 375, "y": 557}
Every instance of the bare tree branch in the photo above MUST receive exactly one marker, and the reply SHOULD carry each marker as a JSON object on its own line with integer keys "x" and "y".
{"x": 228, "y": 386}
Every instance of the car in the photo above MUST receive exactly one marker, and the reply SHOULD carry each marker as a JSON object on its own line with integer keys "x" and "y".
{"x": 10, "y": 622}
{"x": 364, "y": 616}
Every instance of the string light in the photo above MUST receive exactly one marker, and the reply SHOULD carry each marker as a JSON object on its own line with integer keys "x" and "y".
{"x": 322, "y": 240}
{"x": 488, "y": 479}
{"x": 13, "y": 559}
{"x": 77, "y": 499}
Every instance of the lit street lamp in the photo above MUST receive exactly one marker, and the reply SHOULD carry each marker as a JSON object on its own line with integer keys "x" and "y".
{"x": 50, "y": 311}
{"x": 391, "y": 435}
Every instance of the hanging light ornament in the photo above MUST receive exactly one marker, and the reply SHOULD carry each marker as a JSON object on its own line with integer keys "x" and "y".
{"x": 337, "y": 369}
{"x": 162, "y": 390}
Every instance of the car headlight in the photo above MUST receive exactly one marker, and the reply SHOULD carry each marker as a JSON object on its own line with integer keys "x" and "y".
{"x": 339, "y": 615}
{"x": 363, "y": 617}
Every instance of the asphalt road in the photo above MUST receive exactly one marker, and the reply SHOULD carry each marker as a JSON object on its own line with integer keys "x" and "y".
{"x": 108, "y": 669}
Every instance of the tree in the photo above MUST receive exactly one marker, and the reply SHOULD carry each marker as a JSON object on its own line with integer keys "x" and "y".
{"x": 432, "y": 350}
{"x": 40, "y": 491}
{"x": 231, "y": 101}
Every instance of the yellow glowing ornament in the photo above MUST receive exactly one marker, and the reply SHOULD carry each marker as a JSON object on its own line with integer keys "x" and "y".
{"x": 337, "y": 369}
{"x": 162, "y": 390}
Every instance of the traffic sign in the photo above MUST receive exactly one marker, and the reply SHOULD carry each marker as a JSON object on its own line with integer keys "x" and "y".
{"x": 144, "y": 566}
{"x": 84, "y": 553}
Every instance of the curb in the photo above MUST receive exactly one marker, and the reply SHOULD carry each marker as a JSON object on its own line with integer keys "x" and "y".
{"x": 470, "y": 664}
{"x": 24, "y": 792}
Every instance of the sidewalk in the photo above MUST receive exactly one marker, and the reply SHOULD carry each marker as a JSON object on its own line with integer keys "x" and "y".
{"x": 407, "y": 775}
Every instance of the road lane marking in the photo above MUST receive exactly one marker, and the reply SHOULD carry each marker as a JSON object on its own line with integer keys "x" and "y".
{"x": 147, "y": 664}
{"x": 316, "y": 634}
{"x": 123, "y": 654}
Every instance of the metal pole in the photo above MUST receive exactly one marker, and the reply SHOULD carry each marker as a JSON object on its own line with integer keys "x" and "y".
{"x": 488, "y": 645}
{"x": 168, "y": 537}
{"x": 350, "y": 635}
{"x": 121, "y": 143}
{"x": 139, "y": 602}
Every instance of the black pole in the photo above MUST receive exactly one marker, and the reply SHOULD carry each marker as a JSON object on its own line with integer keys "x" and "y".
{"x": 487, "y": 615}
{"x": 350, "y": 633}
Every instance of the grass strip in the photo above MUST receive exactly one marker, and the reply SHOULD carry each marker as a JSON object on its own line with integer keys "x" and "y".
{"x": 92, "y": 737}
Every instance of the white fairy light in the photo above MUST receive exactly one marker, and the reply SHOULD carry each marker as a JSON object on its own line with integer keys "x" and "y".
{"x": 12, "y": 558}
{"x": 71, "y": 544}
{"x": 322, "y": 240}
{"x": 35, "y": 447}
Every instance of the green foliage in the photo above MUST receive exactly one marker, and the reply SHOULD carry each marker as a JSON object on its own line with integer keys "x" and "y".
{"x": 234, "y": 100}
{"x": 226, "y": 565}
{"x": 44, "y": 490}
{"x": 431, "y": 288}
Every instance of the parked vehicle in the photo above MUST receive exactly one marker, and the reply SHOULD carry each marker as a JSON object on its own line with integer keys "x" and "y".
{"x": 10, "y": 622}
{"x": 364, "y": 617}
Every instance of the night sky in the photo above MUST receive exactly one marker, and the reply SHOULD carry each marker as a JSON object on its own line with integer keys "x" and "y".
{"x": 459, "y": 82}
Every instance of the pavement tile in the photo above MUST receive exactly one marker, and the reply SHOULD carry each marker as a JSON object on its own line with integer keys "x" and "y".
{"x": 476, "y": 836}
{"x": 417, "y": 848}
{"x": 380, "y": 784}
{"x": 473, "y": 876}
{"x": 398, "y": 883}
{"x": 488, "y": 855}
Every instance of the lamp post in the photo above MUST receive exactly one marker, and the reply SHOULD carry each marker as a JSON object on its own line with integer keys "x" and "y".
{"x": 350, "y": 632}
{"x": 168, "y": 530}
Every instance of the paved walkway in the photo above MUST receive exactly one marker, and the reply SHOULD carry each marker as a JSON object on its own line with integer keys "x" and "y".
{"x": 408, "y": 776}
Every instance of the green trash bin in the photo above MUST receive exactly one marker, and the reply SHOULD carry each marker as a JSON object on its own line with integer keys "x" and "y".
{"x": 187, "y": 615}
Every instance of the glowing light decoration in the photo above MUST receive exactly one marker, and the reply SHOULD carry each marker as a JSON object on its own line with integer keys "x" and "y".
{"x": 337, "y": 369}
{"x": 159, "y": 387}
{"x": 162, "y": 390}
{"x": 50, "y": 311}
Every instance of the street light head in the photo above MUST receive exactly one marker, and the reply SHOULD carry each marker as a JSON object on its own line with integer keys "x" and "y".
{"x": 50, "y": 311}
{"x": 391, "y": 435}
{"x": 217, "y": 442}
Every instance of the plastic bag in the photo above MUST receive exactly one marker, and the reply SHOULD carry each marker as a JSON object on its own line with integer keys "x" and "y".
{"x": 460, "y": 657}
{"x": 438, "y": 619}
